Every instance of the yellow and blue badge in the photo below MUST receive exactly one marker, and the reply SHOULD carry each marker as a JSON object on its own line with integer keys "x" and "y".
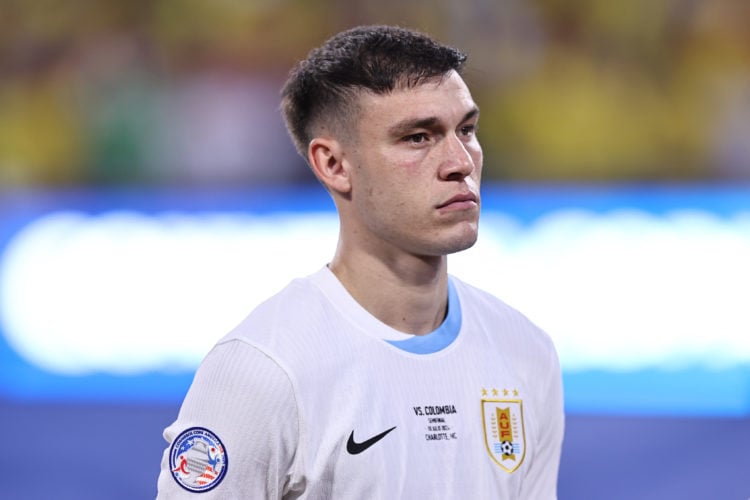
{"x": 198, "y": 460}
{"x": 504, "y": 433}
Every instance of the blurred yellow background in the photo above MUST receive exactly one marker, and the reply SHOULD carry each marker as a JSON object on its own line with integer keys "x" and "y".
{"x": 104, "y": 92}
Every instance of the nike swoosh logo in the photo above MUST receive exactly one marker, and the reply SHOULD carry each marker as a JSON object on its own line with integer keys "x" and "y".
{"x": 355, "y": 448}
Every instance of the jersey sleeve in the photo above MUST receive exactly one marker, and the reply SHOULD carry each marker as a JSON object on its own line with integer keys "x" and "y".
{"x": 541, "y": 478}
{"x": 244, "y": 400}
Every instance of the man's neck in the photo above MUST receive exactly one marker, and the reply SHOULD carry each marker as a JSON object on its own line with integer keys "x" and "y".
{"x": 408, "y": 293}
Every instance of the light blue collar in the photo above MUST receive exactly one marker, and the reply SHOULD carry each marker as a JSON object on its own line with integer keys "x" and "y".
{"x": 440, "y": 338}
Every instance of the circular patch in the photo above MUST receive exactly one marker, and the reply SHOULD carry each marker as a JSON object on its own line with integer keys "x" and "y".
{"x": 198, "y": 460}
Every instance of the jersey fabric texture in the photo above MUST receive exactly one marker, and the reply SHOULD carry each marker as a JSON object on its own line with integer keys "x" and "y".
{"x": 315, "y": 398}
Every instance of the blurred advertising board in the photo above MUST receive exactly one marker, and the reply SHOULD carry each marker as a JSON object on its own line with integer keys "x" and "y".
{"x": 118, "y": 294}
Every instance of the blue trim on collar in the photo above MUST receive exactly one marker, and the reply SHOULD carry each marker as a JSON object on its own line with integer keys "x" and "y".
{"x": 440, "y": 338}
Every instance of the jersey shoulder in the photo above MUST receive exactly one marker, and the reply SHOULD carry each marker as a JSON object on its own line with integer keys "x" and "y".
{"x": 298, "y": 304}
{"x": 505, "y": 320}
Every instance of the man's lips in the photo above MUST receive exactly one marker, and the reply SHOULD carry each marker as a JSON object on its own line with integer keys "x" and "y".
{"x": 464, "y": 200}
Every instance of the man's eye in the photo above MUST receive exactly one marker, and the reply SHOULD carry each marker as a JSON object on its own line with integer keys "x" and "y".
{"x": 416, "y": 138}
{"x": 468, "y": 129}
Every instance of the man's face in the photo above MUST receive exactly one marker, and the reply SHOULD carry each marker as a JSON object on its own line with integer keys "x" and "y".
{"x": 415, "y": 169}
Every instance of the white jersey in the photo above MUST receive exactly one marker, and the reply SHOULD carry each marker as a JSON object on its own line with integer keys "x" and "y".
{"x": 313, "y": 397}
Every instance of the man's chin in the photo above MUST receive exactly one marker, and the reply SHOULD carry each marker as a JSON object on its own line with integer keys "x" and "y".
{"x": 465, "y": 242}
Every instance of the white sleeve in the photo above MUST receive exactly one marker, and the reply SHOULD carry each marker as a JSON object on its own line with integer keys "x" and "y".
{"x": 540, "y": 482}
{"x": 244, "y": 398}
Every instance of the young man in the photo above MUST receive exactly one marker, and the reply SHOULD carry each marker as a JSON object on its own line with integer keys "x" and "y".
{"x": 379, "y": 376}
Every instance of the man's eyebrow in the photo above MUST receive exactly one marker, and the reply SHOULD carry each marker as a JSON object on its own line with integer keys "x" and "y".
{"x": 473, "y": 113}
{"x": 406, "y": 126}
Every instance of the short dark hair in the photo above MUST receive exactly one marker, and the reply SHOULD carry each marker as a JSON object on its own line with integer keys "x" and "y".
{"x": 378, "y": 59}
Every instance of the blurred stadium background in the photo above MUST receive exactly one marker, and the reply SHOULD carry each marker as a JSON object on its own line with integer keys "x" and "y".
{"x": 149, "y": 197}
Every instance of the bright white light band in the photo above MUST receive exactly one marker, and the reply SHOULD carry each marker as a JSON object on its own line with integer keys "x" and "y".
{"x": 126, "y": 293}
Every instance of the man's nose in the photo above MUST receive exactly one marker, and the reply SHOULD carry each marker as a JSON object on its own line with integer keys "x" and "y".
{"x": 457, "y": 160}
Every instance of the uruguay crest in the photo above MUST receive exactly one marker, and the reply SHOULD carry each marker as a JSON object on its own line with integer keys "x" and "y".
{"x": 504, "y": 434}
{"x": 198, "y": 459}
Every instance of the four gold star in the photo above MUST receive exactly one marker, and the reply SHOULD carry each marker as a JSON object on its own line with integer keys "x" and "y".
{"x": 496, "y": 392}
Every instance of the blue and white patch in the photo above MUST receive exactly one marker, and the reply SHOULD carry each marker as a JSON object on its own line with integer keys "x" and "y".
{"x": 198, "y": 460}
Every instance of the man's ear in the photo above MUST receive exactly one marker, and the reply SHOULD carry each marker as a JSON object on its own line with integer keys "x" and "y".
{"x": 326, "y": 157}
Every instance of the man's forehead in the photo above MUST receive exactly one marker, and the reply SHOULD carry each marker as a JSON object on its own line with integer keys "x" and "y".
{"x": 406, "y": 85}
{"x": 441, "y": 96}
